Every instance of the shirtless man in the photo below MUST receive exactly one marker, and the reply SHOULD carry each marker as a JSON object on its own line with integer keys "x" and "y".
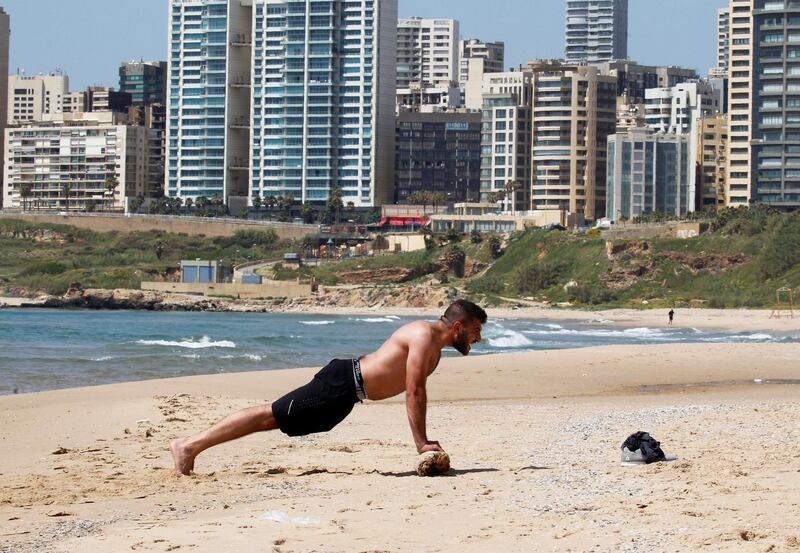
{"x": 403, "y": 363}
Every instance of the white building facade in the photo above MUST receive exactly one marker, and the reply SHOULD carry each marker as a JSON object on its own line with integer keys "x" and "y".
{"x": 427, "y": 51}
{"x": 596, "y": 30}
{"x": 29, "y": 98}
{"x": 65, "y": 164}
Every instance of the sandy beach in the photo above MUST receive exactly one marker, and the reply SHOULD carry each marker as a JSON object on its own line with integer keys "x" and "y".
{"x": 534, "y": 440}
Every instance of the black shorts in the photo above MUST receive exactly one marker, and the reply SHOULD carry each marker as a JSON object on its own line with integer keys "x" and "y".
{"x": 322, "y": 403}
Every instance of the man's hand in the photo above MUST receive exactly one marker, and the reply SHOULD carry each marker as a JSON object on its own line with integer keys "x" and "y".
{"x": 430, "y": 445}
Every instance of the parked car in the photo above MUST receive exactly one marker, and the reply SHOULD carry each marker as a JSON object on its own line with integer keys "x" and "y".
{"x": 554, "y": 226}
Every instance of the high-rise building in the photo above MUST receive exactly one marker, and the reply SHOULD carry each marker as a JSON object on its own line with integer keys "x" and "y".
{"x": 5, "y": 30}
{"x": 712, "y": 147}
{"x": 145, "y": 81}
{"x": 633, "y": 78}
{"x": 29, "y": 98}
{"x": 723, "y": 39}
{"x": 679, "y": 110}
{"x": 574, "y": 111}
{"x": 74, "y": 102}
{"x": 438, "y": 152}
{"x": 506, "y": 139}
{"x": 153, "y": 117}
{"x": 100, "y": 147}
{"x": 476, "y": 58}
{"x": 742, "y": 101}
{"x": 596, "y": 30}
{"x": 774, "y": 103}
{"x": 427, "y": 51}
{"x": 208, "y": 125}
{"x": 323, "y": 102}
{"x": 648, "y": 171}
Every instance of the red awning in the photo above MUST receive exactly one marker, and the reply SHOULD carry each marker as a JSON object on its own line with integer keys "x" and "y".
{"x": 405, "y": 221}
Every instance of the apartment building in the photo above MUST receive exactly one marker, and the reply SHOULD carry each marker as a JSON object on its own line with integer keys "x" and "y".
{"x": 648, "y": 171}
{"x": 29, "y": 98}
{"x": 438, "y": 152}
{"x": 323, "y": 101}
{"x": 506, "y": 139}
{"x": 145, "y": 81}
{"x": 774, "y": 102}
{"x": 634, "y": 78}
{"x": 208, "y": 124}
{"x": 65, "y": 163}
{"x": 596, "y": 30}
{"x": 153, "y": 118}
{"x": 5, "y": 31}
{"x": 712, "y": 147}
{"x": 741, "y": 101}
{"x": 74, "y": 102}
{"x": 427, "y": 51}
{"x": 476, "y": 58}
{"x": 723, "y": 40}
{"x": 574, "y": 111}
{"x": 679, "y": 108}
{"x": 427, "y": 98}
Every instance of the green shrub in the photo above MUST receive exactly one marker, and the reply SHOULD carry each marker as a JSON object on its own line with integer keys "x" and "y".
{"x": 590, "y": 295}
{"x": 533, "y": 278}
{"x": 44, "y": 267}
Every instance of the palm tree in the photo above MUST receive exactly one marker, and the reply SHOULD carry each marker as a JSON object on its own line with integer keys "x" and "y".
{"x": 436, "y": 198}
{"x": 511, "y": 188}
{"x": 335, "y": 202}
{"x": 25, "y": 193}
{"x": 111, "y": 185}
{"x": 188, "y": 203}
{"x": 66, "y": 190}
{"x": 307, "y": 212}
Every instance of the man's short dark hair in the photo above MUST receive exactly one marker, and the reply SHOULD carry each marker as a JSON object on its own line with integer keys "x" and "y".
{"x": 465, "y": 311}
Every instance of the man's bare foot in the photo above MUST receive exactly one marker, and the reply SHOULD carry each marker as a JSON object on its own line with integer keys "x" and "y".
{"x": 182, "y": 457}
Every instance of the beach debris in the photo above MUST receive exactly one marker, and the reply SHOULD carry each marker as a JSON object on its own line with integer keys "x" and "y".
{"x": 434, "y": 463}
{"x": 747, "y": 535}
{"x": 60, "y": 514}
{"x": 60, "y": 451}
{"x": 142, "y": 421}
{"x": 284, "y": 518}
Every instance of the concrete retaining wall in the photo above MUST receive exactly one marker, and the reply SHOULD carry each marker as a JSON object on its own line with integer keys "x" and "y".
{"x": 269, "y": 289}
{"x": 186, "y": 225}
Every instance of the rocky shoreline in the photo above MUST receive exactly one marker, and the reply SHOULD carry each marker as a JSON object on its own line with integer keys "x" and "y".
{"x": 368, "y": 297}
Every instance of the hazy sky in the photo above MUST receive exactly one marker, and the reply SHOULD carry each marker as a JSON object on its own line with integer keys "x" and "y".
{"x": 88, "y": 39}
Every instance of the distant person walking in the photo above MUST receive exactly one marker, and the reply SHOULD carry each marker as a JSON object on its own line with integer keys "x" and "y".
{"x": 671, "y": 315}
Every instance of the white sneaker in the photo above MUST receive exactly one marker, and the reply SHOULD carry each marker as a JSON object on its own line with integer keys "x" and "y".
{"x": 632, "y": 458}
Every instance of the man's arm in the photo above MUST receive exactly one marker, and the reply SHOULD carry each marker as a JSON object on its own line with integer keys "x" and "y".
{"x": 416, "y": 394}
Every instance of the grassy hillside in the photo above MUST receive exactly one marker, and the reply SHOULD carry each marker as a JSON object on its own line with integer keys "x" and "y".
{"x": 37, "y": 257}
{"x": 740, "y": 262}
{"x": 746, "y": 256}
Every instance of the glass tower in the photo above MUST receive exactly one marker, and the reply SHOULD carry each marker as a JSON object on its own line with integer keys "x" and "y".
{"x": 208, "y": 98}
{"x": 323, "y": 99}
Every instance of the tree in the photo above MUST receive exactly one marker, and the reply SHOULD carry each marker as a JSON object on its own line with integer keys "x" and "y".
{"x": 271, "y": 201}
{"x": 201, "y": 202}
{"x": 135, "y": 203}
{"x": 257, "y": 201}
{"x": 511, "y": 188}
{"x": 287, "y": 202}
{"x": 188, "y": 203}
{"x": 436, "y": 198}
{"x": 25, "y": 193}
{"x": 380, "y": 243}
{"x": 91, "y": 205}
{"x": 335, "y": 202}
{"x": 307, "y": 212}
{"x": 111, "y": 185}
{"x": 66, "y": 190}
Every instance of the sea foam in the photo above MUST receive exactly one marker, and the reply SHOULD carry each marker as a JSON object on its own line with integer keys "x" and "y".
{"x": 202, "y": 343}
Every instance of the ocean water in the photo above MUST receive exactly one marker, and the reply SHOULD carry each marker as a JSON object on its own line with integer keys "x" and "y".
{"x": 51, "y": 349}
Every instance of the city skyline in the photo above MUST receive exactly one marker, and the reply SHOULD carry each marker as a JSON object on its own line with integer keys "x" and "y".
{"x": 144, "y": 34}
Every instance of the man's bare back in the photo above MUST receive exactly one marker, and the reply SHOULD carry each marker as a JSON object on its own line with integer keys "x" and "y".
{"x": 384, "y": 370}
{"x": 402, "y": 363}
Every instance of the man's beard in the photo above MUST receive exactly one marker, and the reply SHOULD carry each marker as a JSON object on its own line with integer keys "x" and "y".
{"x": 462, "y": 344}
